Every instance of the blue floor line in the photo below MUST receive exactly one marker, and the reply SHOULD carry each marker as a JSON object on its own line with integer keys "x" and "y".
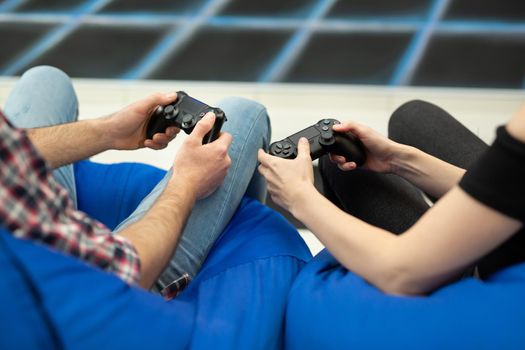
{"x": 176, "y": 38}
{"x": 9, "y": 5}
{"x": 410, "y": 60}
{"x": 284, "y": 60}
{"x": 52, "y": 38}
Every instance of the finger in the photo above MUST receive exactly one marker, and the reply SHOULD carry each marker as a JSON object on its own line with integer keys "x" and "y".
{"x": 263, "y": 157}
{"x": 160, "y": 98}
{"x": 225, "y": 139}
{"x": 152, "y": 145}
{"x": 203, "y": 127}
{"x": 356, "y": 128}
{"x": 303, "y": 149}
{"x": 347, "y": 166}
{"x": 337, "y": 159}
{"x": 172, "y": 131}
{"x": 161, "y": 139}
{"x": 263, "y": 170}
{"x": 221, "y": 145}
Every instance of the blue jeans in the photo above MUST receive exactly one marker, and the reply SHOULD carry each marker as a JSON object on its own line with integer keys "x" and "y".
{"x": 45, "y": 96}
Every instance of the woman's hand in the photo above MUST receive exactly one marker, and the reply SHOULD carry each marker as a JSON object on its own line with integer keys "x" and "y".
{"x": 380, "y": 151}
{"x": 288, "y": 180}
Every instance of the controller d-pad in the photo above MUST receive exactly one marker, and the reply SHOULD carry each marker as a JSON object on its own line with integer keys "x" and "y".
{"x": 287, "y": 146}
{"x": 279, "y": 146}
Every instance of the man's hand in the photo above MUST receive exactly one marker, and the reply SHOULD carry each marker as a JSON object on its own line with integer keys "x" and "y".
{"x": 199, "y": 166}
{"x": 127, "y": 127}
{"x": 288, "y": 179}
{"x": 380, "y": 151}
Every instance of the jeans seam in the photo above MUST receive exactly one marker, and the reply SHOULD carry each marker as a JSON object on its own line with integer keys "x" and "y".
{"x": 223, "y": 206}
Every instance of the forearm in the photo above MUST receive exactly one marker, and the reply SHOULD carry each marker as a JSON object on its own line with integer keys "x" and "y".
{"x": 430, "y": 174}
{"x": 156, "y": 235}
{"x": 68, "y": 143}
{"x": 362, "y": 248}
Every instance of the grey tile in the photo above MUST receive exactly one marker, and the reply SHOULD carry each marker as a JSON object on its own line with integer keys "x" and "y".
{"x": 21, "y": 37}
{"x": 357, "y": 58}
{"x": 101, "y": 51}
{"x": 380, "y": 8}
{"x": 223, "y": 54}
{"x": 153, "y": 6}
{"x": 496, "y": 61}
{"x": 272, "y": 8}
{"x": 510, "y": 10}
{"x": 50, "y": 5}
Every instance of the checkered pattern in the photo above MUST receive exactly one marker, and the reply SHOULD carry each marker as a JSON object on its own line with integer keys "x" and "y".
{"x": 34, "y": 206}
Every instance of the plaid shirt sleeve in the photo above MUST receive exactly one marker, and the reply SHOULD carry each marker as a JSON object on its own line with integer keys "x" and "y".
{"x": 34, "y": 206}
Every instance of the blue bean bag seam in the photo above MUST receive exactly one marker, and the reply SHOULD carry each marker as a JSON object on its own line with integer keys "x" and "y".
{"x": 248, "y": 263}
{"x": 218, "y": 275}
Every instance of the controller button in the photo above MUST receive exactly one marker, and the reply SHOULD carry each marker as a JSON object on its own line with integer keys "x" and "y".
{"x": 325, "y": 128}
{"x": 170, "y": 111}
{"x": 286, "y": 152}
{"x": 187, "y": 121}
{"x": 278, "y": 146}
{"x": 326, "y": 122}
{"x": 287, "y": 146}
{"x": 326, "y": 136}
{"x": 277, "y": 151}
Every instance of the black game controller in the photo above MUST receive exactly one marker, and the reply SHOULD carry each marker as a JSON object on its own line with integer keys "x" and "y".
{"x": 322, "y": 140}
{"x": 184, "y": 114}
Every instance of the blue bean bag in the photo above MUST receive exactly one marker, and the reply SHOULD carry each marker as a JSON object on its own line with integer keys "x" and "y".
{"x": 49, "y": 300}
{"x": 331, "y": 308}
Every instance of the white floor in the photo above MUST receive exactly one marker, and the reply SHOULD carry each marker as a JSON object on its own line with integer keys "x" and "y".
{"x": 293, "y": 107}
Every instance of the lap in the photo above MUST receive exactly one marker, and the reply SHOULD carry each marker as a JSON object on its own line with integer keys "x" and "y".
{"x": 330, "y": 307}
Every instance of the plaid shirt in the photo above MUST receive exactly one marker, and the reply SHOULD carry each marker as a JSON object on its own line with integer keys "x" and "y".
{"x": 35, "y": 207}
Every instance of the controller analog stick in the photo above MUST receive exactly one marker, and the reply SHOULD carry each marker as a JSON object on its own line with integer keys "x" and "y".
{"x": 170, "y": 112}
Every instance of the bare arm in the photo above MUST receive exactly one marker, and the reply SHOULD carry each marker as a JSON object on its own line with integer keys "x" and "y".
{"x": 448, "y": 238}
{"x": 427, "y": 172}
{"x": 197, "y": 171}
{"x": 68, "y": 143}
{"x": 430, "y": 174}
{"x": 156, "y": 235}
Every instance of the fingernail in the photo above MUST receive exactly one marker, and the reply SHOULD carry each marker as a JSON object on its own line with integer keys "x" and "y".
{"x": 171, "y": 95}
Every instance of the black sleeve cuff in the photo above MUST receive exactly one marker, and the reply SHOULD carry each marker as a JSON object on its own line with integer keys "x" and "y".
{"x": 497, "y": 178}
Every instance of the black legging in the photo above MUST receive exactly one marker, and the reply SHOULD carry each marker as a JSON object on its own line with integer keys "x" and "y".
{"x": 392, "y": 203}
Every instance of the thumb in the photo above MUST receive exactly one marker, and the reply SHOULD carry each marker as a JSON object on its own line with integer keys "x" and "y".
{"x": 203, "y": 126}
{"x": 160, "y": 99}
{"x": 303, "y": 149}
{"x": 351, "y": 126}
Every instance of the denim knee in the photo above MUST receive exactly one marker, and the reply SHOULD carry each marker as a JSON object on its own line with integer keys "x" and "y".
{"x": 43, "y": 73}
{"x": 252, "y": 113}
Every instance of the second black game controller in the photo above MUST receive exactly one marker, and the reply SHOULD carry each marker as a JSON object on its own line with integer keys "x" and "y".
{"x": 184, "y": 114}
{"x": 322, "y": 140}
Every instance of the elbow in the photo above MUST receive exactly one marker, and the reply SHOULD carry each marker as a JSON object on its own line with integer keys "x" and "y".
{"x": 400, "y": 281}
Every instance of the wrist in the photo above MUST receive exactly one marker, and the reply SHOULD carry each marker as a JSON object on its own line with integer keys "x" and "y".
{"x": 402, "y": 157}
{"x": 183, "y": 183}
{"x": 105, "y": 126}
{"x": 305, "y": 197}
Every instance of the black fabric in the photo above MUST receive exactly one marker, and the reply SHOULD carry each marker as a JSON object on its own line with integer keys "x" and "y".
{"x": 390, "y": 202}
{"x": 497, "y": 179}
